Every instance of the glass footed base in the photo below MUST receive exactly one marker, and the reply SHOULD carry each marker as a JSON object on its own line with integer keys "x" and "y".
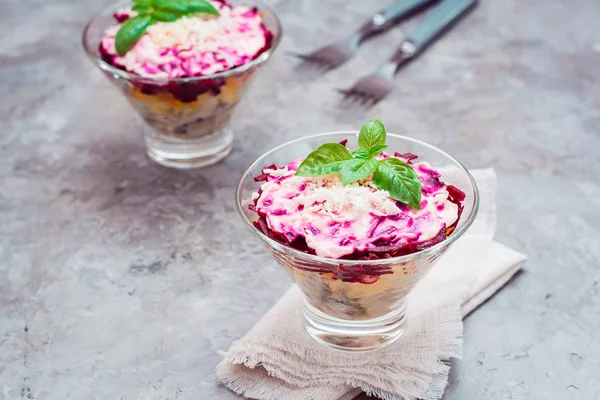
{"x": 354, "y": 335}
{"x": 189, "y": 153}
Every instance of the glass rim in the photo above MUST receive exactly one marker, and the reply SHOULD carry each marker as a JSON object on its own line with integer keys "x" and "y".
{"x": 458, "y": 232}
{"x": 263, "y": 57}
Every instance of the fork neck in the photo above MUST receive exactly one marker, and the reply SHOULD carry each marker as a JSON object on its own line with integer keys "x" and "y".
{"x": 407, "y": 51}
{"x": 377, "y": 24}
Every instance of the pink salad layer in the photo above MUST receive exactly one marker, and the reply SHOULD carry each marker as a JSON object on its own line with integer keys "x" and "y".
{"x": 192, "y": 46}
{"x": 320, "y": 215}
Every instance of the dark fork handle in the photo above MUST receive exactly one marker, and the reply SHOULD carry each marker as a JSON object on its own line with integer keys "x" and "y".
{"x": 434, "y": 24}
{"x": 393, "y": 13}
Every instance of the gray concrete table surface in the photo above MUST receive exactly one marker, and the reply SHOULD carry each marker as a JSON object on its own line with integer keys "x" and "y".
{"x": 120, "y": 279}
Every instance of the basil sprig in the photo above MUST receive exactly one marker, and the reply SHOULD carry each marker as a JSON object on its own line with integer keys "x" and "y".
{"x": 152, "y": 11}
{"x": 391, "y": 174}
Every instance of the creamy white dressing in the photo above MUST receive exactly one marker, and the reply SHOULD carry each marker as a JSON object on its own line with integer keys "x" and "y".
{"x": 337, "y": 220}
{"x": 194, "y": 45}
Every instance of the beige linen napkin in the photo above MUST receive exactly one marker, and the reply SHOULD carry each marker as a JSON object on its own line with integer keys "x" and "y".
{"x": 278, "y": 360}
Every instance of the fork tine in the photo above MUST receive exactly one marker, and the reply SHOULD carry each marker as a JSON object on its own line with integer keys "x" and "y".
{"x": 304, "y": 57}
{"x": 330, "y": 59}
{"x": 307, "y": 57}
{"x": 371, "y": 89}
{"x": 332, "y": 55}
{"x": 352, "y": 96}
{"x": 316, "y": 60}
{"x": 357, "y": 96}
{"x": 365, "y": 99}
{"x": 346, "y": 93}
{"x": 370, "y": 101}
{"x": 324, "y": 61}
{"x": 310, "y": 64}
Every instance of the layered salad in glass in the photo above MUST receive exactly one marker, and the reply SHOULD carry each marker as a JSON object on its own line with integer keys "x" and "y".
{"x": 371, "y": 204}
{"x": 172, "y": 43}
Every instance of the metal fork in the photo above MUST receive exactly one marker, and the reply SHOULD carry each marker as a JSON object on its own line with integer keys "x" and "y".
{"x": 373, "y": 88}
{"x": 336, "y": 54}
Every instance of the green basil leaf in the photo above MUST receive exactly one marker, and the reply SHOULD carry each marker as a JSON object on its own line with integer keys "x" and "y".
{"x": 171, "y": 5}
{"x": 166, "y": 16}
{"x": 145, "y": 3}
{"x": 186, "y": 7}
{"x": 142, "y": 9}
{"x": 371, "y": 134}
{"x": 400, "y": 179}
{"x": 377, "y": 149}
{"x": 130, "y": 32}
{"x": 200, "y": 6}
{"x": 361, "y": 153}
{"x": 181, "y": 8}
{"x": 324, "y": 161}
{"x": 357, "y": 169}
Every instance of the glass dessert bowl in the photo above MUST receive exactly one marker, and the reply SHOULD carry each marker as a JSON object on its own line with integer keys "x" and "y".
{"x": 356, "y": 298}
{"x": 186, "y": 95}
